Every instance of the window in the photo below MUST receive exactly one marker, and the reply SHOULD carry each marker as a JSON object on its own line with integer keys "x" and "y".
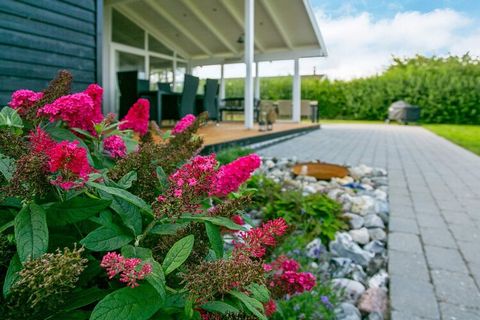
{"x": 124, "y": 31}
{"x": 161, "y": 70}
{"x": 156, "y": 46}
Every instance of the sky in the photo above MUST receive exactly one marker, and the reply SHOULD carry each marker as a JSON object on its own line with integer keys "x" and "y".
{"x": 361, "y": 36}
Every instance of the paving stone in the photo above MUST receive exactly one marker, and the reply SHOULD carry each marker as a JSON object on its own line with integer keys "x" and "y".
{"x": 446, "y": 259}
{"x": 465, "y": 233}
{"x": 431, "y": 221}
{"x": 404, "y": 242}
{"x": 456, "y": 288}
{"x": 470, "y": 250}
{"x": 408, "y": 263}
{"x": 402, "y": 225}
{"x": 413, "y": 296}
{"x": 403, "y": 211}
{"x": 457, "y": 217}
{"x": 397, "y": 315}
{"x": 439, "y": 237}
{"x": 453, "y": 312}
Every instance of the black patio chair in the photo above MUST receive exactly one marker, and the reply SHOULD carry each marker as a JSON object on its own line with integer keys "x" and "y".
{"x": 210, "y": 99}
{"x": 164, "y": 86}
{"x": 189, "y": 93}
{"x": 131, "y": 89}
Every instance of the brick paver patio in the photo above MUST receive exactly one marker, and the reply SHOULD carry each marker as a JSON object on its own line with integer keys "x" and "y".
{"x": 434, "y": 188}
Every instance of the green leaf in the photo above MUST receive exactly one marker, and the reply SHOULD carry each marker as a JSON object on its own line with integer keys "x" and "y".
{"x": 138, "y": 303}
{"x": 130, "y": 214}
{"x": 178, "y": 253}
{"x": 253, "y": 305}
{"x": 156, "y": 278}
{"x": 106, "y": 239}
{"x": 215, "y": 238}
{"x": 7, "y": 167}
{"x": 126, "y": 181}
{"x": 259, "y": 292}
{"x": 167, "y": 229}
{"x": 219, "y": 221}
{"x": 10, "y": 118}
{"x": 219, "y": 307}
{"x": 12, "y": 274}
{"x": 71, "y": 315}
{"x": 83, "y": 298}
{"x": 31, "y": 232}
{"x": 74, "y": 210}
{"x": 130, "y": 251}
{"x": 7, "y": 225}
{"x": 129, "y": 197}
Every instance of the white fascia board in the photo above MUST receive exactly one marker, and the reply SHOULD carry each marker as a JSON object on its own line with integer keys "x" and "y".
{"x": 316, "y": 28}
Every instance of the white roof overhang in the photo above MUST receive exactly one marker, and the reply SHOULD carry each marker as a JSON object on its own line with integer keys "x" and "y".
{"x": 208, "y": 31}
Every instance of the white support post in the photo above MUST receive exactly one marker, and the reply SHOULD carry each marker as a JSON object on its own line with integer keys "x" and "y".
{"x": 249, "y": 52}
{"x": 222, "y": 83}
{"x": 296, "y": 93}
{"x": 257, "y": 81}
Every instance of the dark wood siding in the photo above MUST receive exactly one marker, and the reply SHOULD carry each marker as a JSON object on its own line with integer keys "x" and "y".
{"x": 39, "y": 37}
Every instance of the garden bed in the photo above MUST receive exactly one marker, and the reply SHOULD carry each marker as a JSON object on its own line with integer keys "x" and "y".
{"x": 352, "y": 262}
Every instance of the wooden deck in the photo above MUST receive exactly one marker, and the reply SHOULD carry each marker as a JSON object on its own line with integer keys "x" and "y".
{"x": 234, "y": 133}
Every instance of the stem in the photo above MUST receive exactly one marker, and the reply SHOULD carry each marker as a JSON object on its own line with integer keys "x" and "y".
{"x": 145, "y": 232}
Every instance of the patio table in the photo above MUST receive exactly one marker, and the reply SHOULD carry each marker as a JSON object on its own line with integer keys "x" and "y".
{"x": 167, "y": 104}
{"x": 236, "y": 104}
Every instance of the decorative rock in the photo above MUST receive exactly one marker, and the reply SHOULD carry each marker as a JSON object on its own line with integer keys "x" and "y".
{"x": 377, "y": 234}
{"x": 373, "y": 221}
{"x": 379, "y": 280}
{"x": 315, "y": 249}
{"x": 341, "y": 267}
{"x": 375, "y": 316}
{"x": 347, "y": 311}
{"x": 363, "y": 205}
{"x": 269, "y": 164}
{"x": 360, "y": 171}
{"x": 353, "y": 289}
{"x": 375, "y": 246}
{"x": 309, "y": 189}
{"x": 355, "y": 221}
{"x": 360, "y": 236}
{"x": 373, "y": 300}
{"x": 343, "y": 246}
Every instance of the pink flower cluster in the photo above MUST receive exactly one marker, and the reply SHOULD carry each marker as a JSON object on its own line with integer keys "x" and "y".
{"x": 65, "y": 158}
{"x": 231, "y": 176}
{"x": 23, "y": 99}
{"x": 270, "y": 308}
{"x": 256, "y": 240}
{"x": 79, "y": 110}
{"x": 71, "y": 162}
{"x": 115, "y": 146}
{"x": 137, "y": 117}
{"x": 183, "y": 124}
{"x": 196, "y": 176}
{"x": 115, "y": 263}
{"x": 287, "y": 278}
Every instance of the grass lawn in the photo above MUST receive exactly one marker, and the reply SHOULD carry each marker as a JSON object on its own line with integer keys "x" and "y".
{"x": 340, "y": 121}
{"x": 467, "y": 136}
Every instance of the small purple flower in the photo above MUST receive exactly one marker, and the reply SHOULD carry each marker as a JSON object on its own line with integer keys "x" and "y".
{"x": 326, "y": 302}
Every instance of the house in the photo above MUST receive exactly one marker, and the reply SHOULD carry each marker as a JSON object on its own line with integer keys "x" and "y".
{"x": 162, "y": 39}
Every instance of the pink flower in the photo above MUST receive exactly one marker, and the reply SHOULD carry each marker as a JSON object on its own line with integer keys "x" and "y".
{"x": 137, "y": 117}
{"x": 287, "y": 279}
{"x": 115, "y": 146}
{"x": 78, "y": 110}
{"x": 40, "y": 141}
{"x": 183, "y": 124}
{"x": 270, "y": 308}
{"x": 115, "y": 263}
{"x": 256, "y": 240}
{"x": 96, "y": 92}
{"x": 238, "y": 220}
{"x": 70, "y": 162}
{"x": 267, "y": 267}
{"x": 231, "y": 176}
{"x": 290, "y": 265}
{"x": 23, "y": 99}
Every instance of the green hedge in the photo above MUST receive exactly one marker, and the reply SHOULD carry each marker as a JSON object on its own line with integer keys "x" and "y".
{"x": 446, "y": 89}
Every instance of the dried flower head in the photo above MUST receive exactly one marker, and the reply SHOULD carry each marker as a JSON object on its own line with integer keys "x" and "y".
{"x": 43, "y": 281}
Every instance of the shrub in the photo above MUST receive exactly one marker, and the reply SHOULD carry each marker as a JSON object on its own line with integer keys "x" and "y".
{"x": 228, "y": 155}
{"x": 99, "y": 222}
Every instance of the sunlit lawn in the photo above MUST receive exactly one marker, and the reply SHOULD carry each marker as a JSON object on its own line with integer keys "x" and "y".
{"x": 467, "y": 136}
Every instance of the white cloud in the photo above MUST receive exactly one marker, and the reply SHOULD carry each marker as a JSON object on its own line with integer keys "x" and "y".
{"x": 359, "y": 45}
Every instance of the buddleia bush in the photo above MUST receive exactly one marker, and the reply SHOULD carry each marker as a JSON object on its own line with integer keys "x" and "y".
{"x": 102, "y": 219}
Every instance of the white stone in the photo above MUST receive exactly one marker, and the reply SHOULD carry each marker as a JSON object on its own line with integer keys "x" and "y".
{"x": 353, "y": 289}
{"x": 363, "y": 205}
{"x": 379, "y": 280}
{"x": 360, "y": 236}
{"x": 377, "y": 234}
{"x": 355, "y": 221}
{"x": 373, "y": 221}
